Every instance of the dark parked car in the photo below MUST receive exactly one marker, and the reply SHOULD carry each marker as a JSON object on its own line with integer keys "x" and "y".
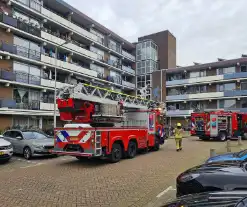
{"x": 212, "y": 199}
{"x": 213, "y": 177}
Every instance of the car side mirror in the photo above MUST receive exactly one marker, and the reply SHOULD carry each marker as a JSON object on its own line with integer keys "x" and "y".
{"x": 19, "y": 137}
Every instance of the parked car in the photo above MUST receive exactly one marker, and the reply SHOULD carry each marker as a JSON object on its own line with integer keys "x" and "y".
{"x": 236, "y": 156}
{"x": 29, "y": 142}
{"x": 6, "y": 150}
{"x": 213, "y": 177}
{"x": 206, "y": 199}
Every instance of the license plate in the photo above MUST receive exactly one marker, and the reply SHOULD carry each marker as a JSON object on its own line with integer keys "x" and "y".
{"x": 73, "y": 139}
{"x": 1, "y": 153}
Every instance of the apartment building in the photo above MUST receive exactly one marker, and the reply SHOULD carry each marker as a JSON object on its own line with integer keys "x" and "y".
{"x": 220, "y": 85}
{"x": 154, "y": 52}
{"x": 87, "y": 52}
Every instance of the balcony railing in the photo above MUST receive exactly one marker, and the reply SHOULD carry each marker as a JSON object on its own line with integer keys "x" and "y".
{"x": 33, "y": 4}
{"x": 23, "y": 77}
{"x": 23, "y": 26}
{"x": 31, "y": 105}
{"x": 128, "y": 84}
{"x": 48, "y": 35}
{"x": 7, "y": 103}
{"x": 128, "y": 55}
{"x": 8, "y": 20}
{"x": 7, "y": 75}
{"x": 21, "y": 51}
{"x": 128, "y": 69}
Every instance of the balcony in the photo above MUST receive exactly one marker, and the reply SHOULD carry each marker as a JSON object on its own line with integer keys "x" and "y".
{"x": 8, "y": 20}
{"x": 33, "y": 4}
{"x": 235, "y": 75}
{"x": 69, "y": 66}
{"x": 31, "y": 105}
{"x": 25, "y": 27}
{"x": 23, "y": 77}
{"x": 29, "y": 29}
{"x": 21, "y": 51}
{"x": 60, "y": 20}
{"x": 71, "y": 46}
{"x": 235, "y": 93}
{"x": 7, "y": 75}
{"x": 7, "y": 103}
{"x": 128, "y": 69}
{"x": 196, "y": 96}
{"x": 51, "y": 83}
{"x": 195, "y": 80}
{"x": 128, "y": 55}
{"x": 128, "y": 84}
{"x": 47, "y": 106}
{"x": 174, "y": 113}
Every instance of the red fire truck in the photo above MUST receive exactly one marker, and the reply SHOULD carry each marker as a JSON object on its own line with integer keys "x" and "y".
{"x": 218, "y": 125}
{"x": 107, "y": 130}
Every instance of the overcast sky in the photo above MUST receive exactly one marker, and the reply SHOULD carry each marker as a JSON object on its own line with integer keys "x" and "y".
{"x": 204, "y": 29}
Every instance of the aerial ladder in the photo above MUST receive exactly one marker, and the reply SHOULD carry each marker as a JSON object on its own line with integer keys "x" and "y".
{"x": 86, "y": 103}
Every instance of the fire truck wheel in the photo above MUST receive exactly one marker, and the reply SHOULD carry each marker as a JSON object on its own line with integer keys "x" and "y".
{"x": 157, "y": 144}
{"x": 81, "y": 158}
{"x": 132, "y": 150}
{"x": 116, "y": 154}
{"x": 222, "y": 136}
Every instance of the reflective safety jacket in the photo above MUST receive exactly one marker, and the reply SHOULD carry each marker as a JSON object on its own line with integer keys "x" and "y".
{"x": 178, "y": 133}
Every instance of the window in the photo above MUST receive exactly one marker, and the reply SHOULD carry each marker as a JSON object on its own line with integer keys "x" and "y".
{"x": 244, "y": 85}
{"x": 100, "y": 53}
{"x": 116, "y": 76}
{"x": 27, "y": 48}
{"x": 226, "y": 87}
{"x": 244, "y": 103}
{"x": 227, "y": 103}
{"x": 33, "y": 135}
{"x": 221, "y": 71}
{"x": 27, "y": 73}
{"x": 197, "y": 74}
{"x": 26, "y": 19}
{"x": 243, "y": 68}
{"x": 97, "y": 68}
{"x": 141, "y": 81}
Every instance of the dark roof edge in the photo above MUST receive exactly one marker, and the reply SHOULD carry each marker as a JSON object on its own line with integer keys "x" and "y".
{"x": 94, "y": 22}
{"x": 218, "y": 64}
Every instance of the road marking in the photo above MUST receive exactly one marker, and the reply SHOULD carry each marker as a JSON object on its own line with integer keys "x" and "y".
{"x": 164, "y": 191}
{"x": 38, "y": 164}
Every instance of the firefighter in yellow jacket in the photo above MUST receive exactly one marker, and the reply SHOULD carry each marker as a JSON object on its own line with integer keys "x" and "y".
{"x": 178, "y": 132}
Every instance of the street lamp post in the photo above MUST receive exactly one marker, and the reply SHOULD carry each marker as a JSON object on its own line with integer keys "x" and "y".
{"x": 55, "y": 89}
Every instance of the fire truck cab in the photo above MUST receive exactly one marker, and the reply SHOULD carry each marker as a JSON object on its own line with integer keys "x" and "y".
{"x": 219, "y": 125}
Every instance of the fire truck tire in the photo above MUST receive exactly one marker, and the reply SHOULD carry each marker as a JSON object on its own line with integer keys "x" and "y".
{"x": 157, "y": 144}
{"x": 222, "y": 136}
{"x": 81, "y": 158}
{"x": 117, "y": 153}
{"x": 132, "y": 150}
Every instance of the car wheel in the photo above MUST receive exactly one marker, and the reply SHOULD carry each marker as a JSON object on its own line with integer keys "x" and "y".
{"x": 27, "y": 153}
{"x": 116, "y": 153}
{"x": 222, "y": 136}
{"x": 132, "y": 150}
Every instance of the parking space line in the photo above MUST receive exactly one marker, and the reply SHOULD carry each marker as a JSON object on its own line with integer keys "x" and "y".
{"x": 38, "y": 164}
{"x": 164, "y": 191}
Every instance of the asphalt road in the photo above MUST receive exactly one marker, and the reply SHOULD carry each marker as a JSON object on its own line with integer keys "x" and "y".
{"x": 146, "y": 180}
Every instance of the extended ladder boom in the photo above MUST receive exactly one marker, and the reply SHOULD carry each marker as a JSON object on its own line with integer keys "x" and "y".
{"x": 102, "y": 95}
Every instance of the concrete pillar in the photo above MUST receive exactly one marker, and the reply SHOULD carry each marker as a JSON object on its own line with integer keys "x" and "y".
{"x": 40, "y": 122}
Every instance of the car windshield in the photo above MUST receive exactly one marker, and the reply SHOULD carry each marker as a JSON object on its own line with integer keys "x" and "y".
{"x": 34, "y": 135}
{"x": 241, "y": 153}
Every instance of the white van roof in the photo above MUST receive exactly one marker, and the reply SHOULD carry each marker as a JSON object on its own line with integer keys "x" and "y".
{"x": 76, "y": 125}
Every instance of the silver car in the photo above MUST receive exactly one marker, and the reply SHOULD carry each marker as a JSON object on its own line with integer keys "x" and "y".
{"x": 29, "y": 143}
